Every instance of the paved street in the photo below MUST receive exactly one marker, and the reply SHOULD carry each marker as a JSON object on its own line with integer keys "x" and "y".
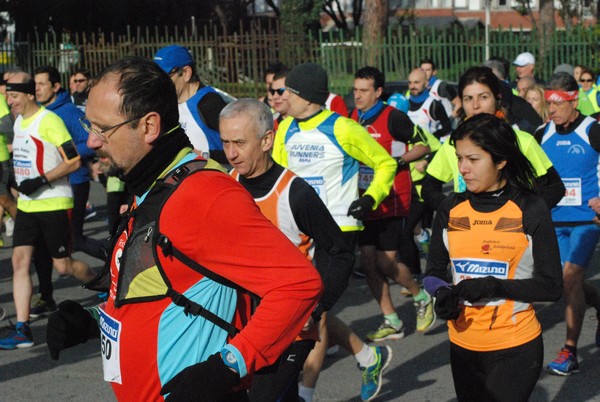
{"x": 420, "y": 370}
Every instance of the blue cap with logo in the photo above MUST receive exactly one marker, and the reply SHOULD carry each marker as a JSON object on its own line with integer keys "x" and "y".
{"x": 172, "y": 57}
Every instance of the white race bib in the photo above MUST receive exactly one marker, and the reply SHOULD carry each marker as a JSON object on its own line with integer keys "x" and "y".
{"x": 572, "y": 196}
{"x": 365, "y": 177}
{"x": 318, "y": 183}
{"x": 110, "y": 334}
{"x": 473, "y": 268}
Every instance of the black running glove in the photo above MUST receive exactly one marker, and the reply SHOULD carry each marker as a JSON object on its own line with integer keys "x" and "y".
{"x": 474, "y": 290}
{"x": 70, "y": 325}
{"x": 360, "y": 208}
{"x": 446, "y": 304}
{"x": 30, "y": 186}
{"x": 208, "y": 381}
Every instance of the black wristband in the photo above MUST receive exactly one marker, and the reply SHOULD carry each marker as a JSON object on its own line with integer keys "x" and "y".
{"x": 401, "y": 161}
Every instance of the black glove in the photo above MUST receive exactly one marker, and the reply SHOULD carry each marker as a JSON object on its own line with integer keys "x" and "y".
{"x": 446, "y": 304}
{"x": 474, "y": 290}
{"x": 208, "y": 381}
{"x": 360, "y": 208}
{"x": 70, "y": 325}
{"x": 30, "y": 186}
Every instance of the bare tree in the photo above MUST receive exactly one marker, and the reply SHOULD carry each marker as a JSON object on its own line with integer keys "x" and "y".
{"x": 374, "y": 28}
{"x": 334, "y": 9}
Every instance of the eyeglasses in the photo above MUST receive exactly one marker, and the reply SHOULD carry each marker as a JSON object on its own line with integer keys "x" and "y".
{"x": 80, "y": 81}
{"x": 278, "y": 91}
{"x": 101, "y": 134}
{"x": 589, "y": 80}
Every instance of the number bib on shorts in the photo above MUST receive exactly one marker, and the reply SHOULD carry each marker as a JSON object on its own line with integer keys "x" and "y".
{"x": 110, "y": 331}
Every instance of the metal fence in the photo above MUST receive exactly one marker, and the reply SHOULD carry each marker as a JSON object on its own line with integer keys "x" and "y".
{"x": 236, "y": 63}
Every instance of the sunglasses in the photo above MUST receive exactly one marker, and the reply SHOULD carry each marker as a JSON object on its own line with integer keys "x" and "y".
{"x": 590, "y": 80}
{"x": 278, "y": 91}
{"x": 80, "y": 81}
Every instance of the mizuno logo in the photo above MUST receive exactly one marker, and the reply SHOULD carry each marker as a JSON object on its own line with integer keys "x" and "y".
{"x": 480, "y": 267}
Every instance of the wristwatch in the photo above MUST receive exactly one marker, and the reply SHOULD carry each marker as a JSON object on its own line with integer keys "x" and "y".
{"x": 230, "y": 360}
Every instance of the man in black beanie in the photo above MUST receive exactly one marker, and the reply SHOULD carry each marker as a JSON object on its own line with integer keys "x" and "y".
{"x": 325, "y": 149}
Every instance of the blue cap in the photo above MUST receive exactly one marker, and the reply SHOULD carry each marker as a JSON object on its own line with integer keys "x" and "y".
{"x": 173, "y": 56}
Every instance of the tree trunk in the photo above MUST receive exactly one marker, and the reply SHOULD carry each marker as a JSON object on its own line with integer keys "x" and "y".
{"x": 547, "y": 27}
{"x": 374, "y": 28}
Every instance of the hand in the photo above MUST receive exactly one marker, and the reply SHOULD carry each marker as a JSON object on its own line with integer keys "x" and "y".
{"x": 474, "y": 290}
{"x": 30, "y": 186}
{"x": 70, "y": 325}
{"x": 446, "y": 304}
{"x": 208, "y": 381}
{"x": 594, "y": 203}
{"x": 421, "y": 166}
{"x": 360, "y": 208}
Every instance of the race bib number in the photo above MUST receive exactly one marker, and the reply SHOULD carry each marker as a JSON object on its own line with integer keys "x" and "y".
{"x": 318, "y": 183}
{"x": 365, "y": 177}
{"x": 110, "y": 333}
{"x": 474, "y": 268}
{"x": 572, "y": 196}
{"x": 23, "y": 170}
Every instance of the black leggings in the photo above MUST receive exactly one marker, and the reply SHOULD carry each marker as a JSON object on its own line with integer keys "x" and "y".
{"x": 501, "y": 375}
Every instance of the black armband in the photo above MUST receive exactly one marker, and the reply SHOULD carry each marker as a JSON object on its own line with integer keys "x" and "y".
{"x": 69, "y": 150}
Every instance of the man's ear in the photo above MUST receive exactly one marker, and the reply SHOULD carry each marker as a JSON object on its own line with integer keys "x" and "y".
{"x": 151, "y": 126}
{"x": 267, "y": 140}
{"x": 187, "y": 73}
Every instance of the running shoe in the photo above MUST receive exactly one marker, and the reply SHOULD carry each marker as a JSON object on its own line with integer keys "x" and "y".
{"x": 42, "y": 307}
{"x": 2, "y": 314}
{"x": 425, "y": 314}
{"x": 371, "y": 376}
{"x": 565, "y": 363}
{"x": 386, "y": 331}
{"x": 20, "y": 338}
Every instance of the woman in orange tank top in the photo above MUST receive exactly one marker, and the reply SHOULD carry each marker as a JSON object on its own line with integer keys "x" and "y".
{"x": 498, "y": 239}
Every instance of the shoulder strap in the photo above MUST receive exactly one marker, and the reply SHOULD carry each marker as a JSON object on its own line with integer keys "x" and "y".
{"x": 174, "y": 179}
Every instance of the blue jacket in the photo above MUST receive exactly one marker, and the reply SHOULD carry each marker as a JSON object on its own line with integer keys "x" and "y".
{"x": 70, "y": 114}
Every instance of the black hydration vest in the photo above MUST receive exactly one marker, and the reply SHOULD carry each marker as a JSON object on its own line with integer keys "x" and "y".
{"x": 139, "y": 264}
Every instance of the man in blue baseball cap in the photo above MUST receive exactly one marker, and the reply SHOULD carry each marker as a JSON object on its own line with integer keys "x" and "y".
{"x": 199, "y": 104}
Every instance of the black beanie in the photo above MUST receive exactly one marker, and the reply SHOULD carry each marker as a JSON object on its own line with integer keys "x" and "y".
{"x": 308, "y": 81}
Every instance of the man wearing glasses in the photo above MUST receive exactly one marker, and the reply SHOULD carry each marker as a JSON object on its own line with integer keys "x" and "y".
{"x": 199, "y": 104}
{"x": 43, "y": 155}
{"x": 150, "y": 344}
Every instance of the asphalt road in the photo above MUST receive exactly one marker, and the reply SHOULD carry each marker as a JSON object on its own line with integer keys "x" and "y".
{"x": 420, "y": 370}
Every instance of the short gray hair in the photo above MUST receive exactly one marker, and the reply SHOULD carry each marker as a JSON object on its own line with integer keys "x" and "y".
{"x": 256, "y": 110}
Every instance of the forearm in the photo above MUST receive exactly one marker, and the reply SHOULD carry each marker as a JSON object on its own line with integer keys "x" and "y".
{"x": 62, "y": 170}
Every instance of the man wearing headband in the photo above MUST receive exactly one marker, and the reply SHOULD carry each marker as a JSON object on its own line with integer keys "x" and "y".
{"x": 43, "y": 156}
{"x": 572, "y": 142}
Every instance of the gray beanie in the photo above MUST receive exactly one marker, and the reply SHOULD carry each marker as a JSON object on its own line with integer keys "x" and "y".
{"x": 308, "y": 81}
